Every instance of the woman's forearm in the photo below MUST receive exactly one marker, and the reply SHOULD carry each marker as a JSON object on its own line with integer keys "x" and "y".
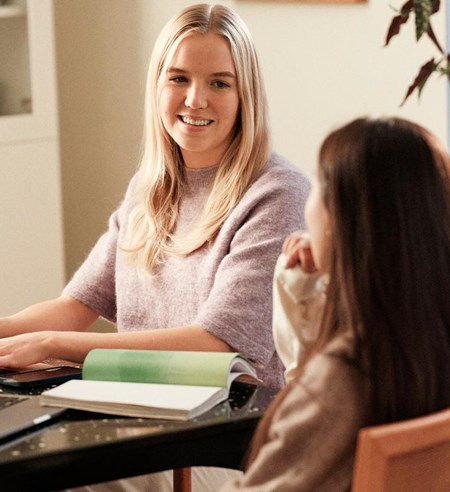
{"x": 29, "y": 348}
{"x": 75, "y": 346}
{"x": 61, "y": 314}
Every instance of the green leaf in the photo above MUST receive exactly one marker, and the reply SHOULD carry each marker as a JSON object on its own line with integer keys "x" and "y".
{"x": 423, "y": 10}
{"x": 445, "y": 70}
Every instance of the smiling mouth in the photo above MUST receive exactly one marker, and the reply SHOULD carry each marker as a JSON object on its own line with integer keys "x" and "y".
{"x": 190, "y": 121}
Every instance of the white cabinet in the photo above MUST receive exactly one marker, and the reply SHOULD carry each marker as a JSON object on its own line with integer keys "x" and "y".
{"x": 31, "y": 235}
{"x": 15, "y": 84}
{"x": 27, "y": 71}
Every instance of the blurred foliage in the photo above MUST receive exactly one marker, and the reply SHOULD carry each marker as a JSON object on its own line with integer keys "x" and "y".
{"x": 422, "y": 11}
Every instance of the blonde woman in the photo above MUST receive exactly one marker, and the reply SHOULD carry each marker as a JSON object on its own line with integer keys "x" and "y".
{"x": 188, "y": 258}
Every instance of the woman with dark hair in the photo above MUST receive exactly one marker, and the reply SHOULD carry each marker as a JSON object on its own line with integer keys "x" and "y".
{"x": 361, "y": 307}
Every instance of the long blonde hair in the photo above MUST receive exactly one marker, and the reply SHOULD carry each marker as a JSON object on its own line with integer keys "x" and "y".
{"x": 161, "y": 177}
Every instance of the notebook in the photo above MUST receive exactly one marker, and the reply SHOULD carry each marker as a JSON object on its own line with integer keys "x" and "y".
{"x": 22, "y": 412}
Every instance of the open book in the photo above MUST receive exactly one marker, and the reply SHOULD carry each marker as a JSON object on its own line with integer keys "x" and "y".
{"x": 172, "y": 385}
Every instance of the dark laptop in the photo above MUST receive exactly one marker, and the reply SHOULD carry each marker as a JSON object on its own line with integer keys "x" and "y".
{"x": 22, "y": 412}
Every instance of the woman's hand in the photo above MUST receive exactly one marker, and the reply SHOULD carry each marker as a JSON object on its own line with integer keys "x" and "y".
{"x": 297, "y": 249}
{"x": 22, "y": 350}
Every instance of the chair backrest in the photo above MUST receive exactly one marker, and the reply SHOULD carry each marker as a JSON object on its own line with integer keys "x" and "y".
{"x": 410, "y": 456}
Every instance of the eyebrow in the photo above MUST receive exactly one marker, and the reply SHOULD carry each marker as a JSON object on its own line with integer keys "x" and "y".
{"x": 216, "y": 74}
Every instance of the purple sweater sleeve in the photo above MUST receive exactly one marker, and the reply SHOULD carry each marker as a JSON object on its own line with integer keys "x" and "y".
{"x": 239, "y": 307}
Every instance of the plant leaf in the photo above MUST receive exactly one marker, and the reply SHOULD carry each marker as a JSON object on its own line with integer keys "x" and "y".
{"x": 398, "y": 20}
{"x": 423, "y": 11}
{"x": 446, "y": 70}
{"x": 435, "y": 5}
{"x": 433, "y": 38}
{"x": 424, "y": 73}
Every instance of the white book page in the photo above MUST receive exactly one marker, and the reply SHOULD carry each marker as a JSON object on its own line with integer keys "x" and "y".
{"x": 161, "y": 396}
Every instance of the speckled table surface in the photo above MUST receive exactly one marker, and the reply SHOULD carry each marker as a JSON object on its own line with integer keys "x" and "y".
{"x": 83, "y": 448}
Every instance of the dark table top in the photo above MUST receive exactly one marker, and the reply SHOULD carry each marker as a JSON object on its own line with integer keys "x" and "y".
{"x": 83, "y": 448}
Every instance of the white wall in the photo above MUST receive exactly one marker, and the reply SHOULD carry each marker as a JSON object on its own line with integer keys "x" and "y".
{"x": 31, "y": 261}
{"x": 31, "y": 244}
{"x": 326, "y": 63}
{"x": 323, "y": 65}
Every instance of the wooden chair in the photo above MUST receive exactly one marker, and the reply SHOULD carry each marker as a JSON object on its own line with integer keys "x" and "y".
{"x": 408, "y": 456}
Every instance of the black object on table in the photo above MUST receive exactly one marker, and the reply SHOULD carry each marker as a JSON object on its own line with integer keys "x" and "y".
{"x": 84, "y": 448}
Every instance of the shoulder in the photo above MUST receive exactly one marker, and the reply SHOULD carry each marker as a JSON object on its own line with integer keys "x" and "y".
{"x": 312, "y": 435}
{"x": 280, "y": 171}
{"x": 279, "y": 180}
{"x": 332, "y": 385}
{"x": 277, "y": 196}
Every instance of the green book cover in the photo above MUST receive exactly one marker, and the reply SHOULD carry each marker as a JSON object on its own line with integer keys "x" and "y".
{"x": 165, "y": 367}
{"x": 174, "y": 385}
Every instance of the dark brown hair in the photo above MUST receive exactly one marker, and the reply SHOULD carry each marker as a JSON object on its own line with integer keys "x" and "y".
{"x": 386, "y": 186}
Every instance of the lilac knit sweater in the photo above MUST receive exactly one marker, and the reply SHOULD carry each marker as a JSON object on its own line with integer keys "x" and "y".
{"x": 225, "y": 287}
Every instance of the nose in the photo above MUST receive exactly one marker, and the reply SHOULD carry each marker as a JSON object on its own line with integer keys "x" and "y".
{"x": 196, "y": 97}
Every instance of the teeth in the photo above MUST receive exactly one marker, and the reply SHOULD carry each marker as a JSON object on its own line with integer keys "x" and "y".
{"x": 190, "y": 121}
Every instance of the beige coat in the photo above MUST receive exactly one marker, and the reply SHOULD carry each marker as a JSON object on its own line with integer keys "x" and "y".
{"x": 312, "y": 437}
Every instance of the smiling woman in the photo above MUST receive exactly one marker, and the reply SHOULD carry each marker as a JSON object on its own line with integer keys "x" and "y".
{"x": 199, "y": 99}
{"x": 188, "y": 257}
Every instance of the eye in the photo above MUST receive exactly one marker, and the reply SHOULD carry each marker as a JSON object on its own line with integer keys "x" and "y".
{"x": 220, "y": 84}
{"x": 178, "y": 80}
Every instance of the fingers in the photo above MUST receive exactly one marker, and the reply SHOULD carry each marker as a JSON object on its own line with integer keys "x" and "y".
{"x": 290, "y": 249}
{"x": 297, "y": 250}
{"x": 307, "y": 260}
{"x": 291, "y": 242}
